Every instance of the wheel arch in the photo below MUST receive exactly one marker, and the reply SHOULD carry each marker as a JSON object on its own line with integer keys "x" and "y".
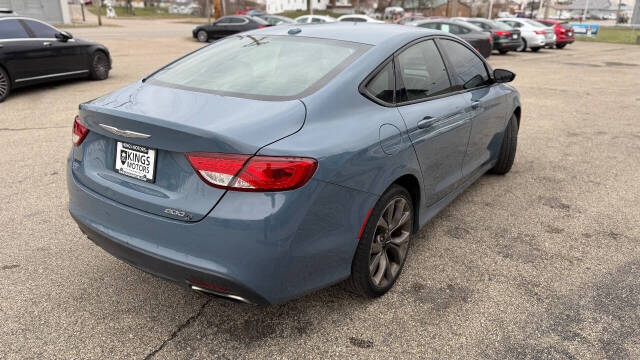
{"x": 412, "y": 185}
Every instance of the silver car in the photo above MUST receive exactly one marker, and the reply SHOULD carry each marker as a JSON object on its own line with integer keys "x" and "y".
{"x": 535, "y": 35}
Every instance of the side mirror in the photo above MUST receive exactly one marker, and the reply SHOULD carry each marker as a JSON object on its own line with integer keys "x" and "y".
{"x": 503, "y": 76}
{"x": 64, "y": 36}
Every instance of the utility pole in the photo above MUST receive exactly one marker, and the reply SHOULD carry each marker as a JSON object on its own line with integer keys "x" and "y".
{"x": 586, "y": 9}
{"x": 490, "y": 15}
{"x": 539, "y": 9}
{"x": 217, "y": 9}
{"x": 635, "y": 18}
{"x": 99, "y": 4}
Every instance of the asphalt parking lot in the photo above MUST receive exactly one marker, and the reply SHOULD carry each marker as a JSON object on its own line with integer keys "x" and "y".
{"x": 542, "y": 263}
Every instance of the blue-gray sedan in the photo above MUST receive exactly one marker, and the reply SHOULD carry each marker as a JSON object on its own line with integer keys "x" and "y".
{"x": 280, "y": 161}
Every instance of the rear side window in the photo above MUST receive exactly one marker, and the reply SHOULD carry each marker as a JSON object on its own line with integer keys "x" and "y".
{"x": 481, "y": 25}
{"x": 470, "y": 71}
{"x": 41, "y": 30}
{"x": 383, "y": 85}
{"x": 423, "y": 72}
{"x": 12, "y": 29}
{"x": 434, "y": 26}
{"x": 317, "y": 20}
{"x": 261, "y": 67}
{"x": 354, "y": 19}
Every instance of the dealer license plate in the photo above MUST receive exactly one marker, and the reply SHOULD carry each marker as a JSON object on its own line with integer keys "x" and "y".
{"x": 135, "y": 161}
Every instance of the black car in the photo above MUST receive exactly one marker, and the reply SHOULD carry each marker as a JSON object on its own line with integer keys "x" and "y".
{"x": 505, "y": 38}
{"x": 274, "y": 20}
{"x": 478, "y": 38}
{"x": 32, "y": 52}
{"x": 228, "y": 25}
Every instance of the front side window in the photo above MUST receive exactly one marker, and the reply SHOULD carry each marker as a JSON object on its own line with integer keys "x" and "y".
{"x": 12, "y": 29}
{"x": 41, "y": 30}
{"x": 423, "y": 72}
{"x": 303, "y": 20}
{"x": 317, "y": 20}
{"x": 383, "y": 85}
{"x": 352, "y": 19}
{"x": 470, "y": 71}
{"x": 261, "y": 67}
{"x": 430, "y": 26}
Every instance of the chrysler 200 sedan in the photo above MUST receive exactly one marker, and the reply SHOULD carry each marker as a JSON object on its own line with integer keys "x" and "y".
{"x": 280, "y": 161}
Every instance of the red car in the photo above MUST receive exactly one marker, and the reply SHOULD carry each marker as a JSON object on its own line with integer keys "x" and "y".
{"x": 564, "y": 32}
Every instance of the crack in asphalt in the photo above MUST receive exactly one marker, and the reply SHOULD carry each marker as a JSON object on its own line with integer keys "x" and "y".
{"x": 34, "y": 128}
{"x": 179, "y": 329}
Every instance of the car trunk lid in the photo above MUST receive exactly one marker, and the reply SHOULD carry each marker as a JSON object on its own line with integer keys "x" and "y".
{"x": 176, "y": 122}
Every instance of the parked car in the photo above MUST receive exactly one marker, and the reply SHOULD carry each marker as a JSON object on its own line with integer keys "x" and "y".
{"x": 33, "y": 52}
{"x": 276, "y": 19}
{"x": 359, "y": 18}
{"x": 505, "y": 38}
{"x": 481, "y": 40}
{"x": 228, "y": 25}
{"x": 564, "y": 32}
{"x": 314, "y": 19}
{"x": 409, "y": 19}
{"x": 274, "y": 163}
{"x": 534, "y": 35}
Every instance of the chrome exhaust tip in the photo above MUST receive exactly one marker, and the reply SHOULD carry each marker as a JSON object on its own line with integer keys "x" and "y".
{"x": 220, "y": 294}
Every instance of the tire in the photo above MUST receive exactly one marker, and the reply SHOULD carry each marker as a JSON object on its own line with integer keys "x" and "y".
{"x": 508, "y": 148}
{"x": 502, "y": 52}
{"x": 523, "y": 46}
{"x": 377, "y": 246}
{"x": 5, "y": 84}
{"x": 560, "y": 46}
{"x": 202, "y": 36}
{"x": 536, "y": 49}
{"x": 99, "y": 66}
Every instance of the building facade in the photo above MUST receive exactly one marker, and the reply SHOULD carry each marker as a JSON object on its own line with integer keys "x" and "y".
{"x": 51, "y": 11}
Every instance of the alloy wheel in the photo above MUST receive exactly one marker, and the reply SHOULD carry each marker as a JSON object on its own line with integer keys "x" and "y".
{"x": 202, "y": 36}
{"x": 4, "y": 85}
{"x": 390, "y": 242}
{"x": 100, "y": 65}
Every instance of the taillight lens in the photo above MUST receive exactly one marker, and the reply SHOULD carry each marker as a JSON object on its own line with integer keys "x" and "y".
{"x": 540, "y": 32}
{"x": 503, "y": 33}
{"x": 257, "y": 173}
{"x": 79, "y": 132}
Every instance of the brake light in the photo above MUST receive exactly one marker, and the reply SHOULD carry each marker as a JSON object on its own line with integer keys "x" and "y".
{"x": 540, "y": 32}
{"x": 257, "y": 173}
{"x": 503, "y": 33}
{"x": 79, "y": 132}
{"x": 261, "y": 26}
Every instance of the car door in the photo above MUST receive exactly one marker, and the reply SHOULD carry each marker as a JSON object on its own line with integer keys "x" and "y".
{"x": 62, "y": 57}
{"x": 220, "y": 28}
{"x": 482, "y": 103}
{"x": 435, "y": 118}
{"x": 21, "y": 53}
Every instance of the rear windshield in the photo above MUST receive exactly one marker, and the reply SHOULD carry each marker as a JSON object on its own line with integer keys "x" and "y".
{"x": 501, "y": 26}
{"x": 533, "y": 23}
{"x": 261, "y": 67}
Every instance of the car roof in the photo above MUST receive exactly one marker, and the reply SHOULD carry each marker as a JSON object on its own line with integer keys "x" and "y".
{"x": 363, "y": 32}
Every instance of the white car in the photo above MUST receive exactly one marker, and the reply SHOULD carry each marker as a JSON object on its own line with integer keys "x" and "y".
{"x": 314, "y": 19}
{"x": 534, "y": 35}
{"x": 359, "y": 18}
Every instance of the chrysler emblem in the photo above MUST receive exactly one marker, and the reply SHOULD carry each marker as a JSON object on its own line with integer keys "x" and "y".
{"x": 125, "y": 133}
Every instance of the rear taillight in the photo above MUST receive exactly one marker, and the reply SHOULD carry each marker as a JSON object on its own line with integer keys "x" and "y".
{"x": 540, "y": 32}
{"x": 503, "y": 33}
{"x": 261, "y": 26}
{"x": 257, "y": 173}
{"x": 79, "y": 132}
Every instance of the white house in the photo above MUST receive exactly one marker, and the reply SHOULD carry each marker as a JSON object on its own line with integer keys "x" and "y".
{"x": 51, "y": 11}
{"x": 278, "y": 6}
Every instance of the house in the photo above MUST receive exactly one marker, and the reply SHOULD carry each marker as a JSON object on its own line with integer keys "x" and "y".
{"x": 51, "y": 11}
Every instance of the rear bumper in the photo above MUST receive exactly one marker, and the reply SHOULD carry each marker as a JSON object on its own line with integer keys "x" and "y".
{"x": 510, "y": 45}
{"x": 265, "y": 248}
{"x": 170, "y": 270}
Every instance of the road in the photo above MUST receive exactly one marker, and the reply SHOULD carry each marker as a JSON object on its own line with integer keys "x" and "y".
{"x": 541, "y": 263}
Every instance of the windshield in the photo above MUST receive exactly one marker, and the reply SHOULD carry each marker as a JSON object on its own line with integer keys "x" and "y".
{"x": 261, "y": 67}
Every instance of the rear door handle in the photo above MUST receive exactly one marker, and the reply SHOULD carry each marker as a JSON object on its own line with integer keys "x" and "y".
{"x": 426, "y": 122}
{"x": 46, "y": 43}
{"x": 475, "y": 105}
